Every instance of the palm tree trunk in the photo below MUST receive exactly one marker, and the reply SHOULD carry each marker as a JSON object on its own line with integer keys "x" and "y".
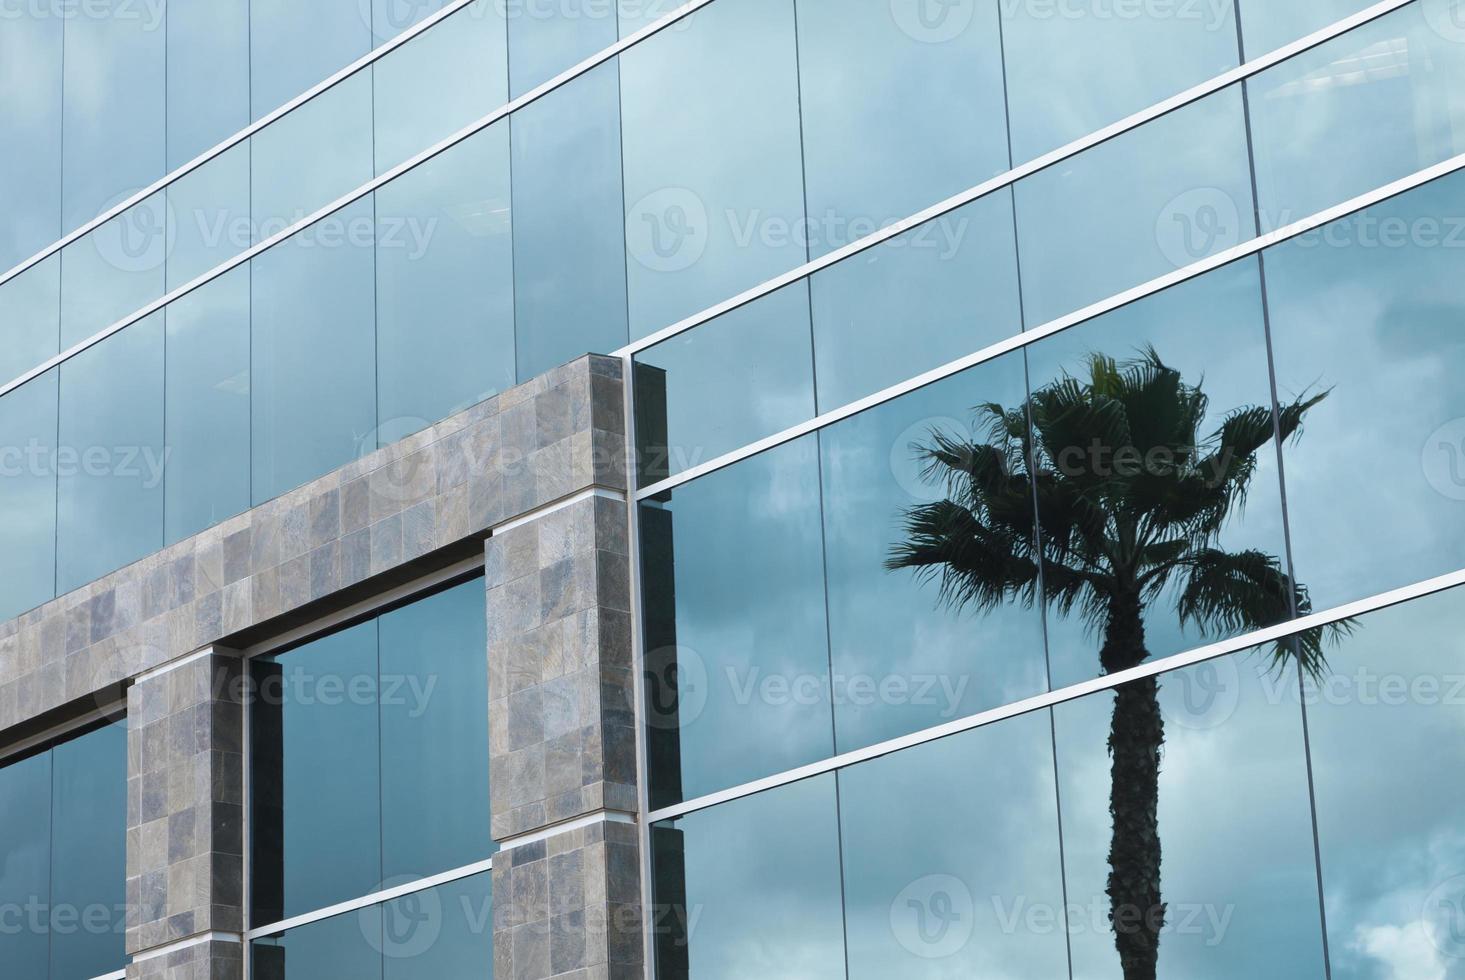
{"x": 1136, "y": 738}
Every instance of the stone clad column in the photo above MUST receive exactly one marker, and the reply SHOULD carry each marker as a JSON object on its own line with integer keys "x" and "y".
{"x": 562, "y": 740}
{"x": 185, "y": 815}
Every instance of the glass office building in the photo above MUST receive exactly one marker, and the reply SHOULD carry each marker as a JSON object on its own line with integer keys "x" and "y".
{"x": 1009, "y": 526}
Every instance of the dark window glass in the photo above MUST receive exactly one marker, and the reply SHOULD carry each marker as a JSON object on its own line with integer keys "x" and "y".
{"x": 1076, "y": 68}
{"x": 761, "y": 877}
{"x": 1384, "y": 721}
{"x": 726, "y": 383}
{"x": 946, "y": 875}
{"x": 25, "y": 822}
{"x": 88, "y": 854}
{"x": 905, "y": 656}
{"x": 28, "y": 495}
{"x": 110, "y": 456}
{"x": 206, "y": 405}
{"x": 30, "y": 131}
{"x": 1142, "y": 205}
{"x": 738, "y": 656}
{"x": 30, "y": 311}
{"x": 445, "y": 932}
{"x": 344, "y": 947}
{"x": 569, "y": 288}
{"x": 915, "y": 302}
{"x": 897, "y": 113}
{"x": 444, "y": 285}
{"x": 208, "y": 75}
{"x": 1367, "y": 310}
{"x": 1225, "y": 825}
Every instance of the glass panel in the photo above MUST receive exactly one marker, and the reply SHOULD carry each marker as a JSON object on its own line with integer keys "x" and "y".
{"x": 1139, "y": 206}
{"x": 907, "y": 653}
{"x": 312, "y": 157}
{"x": 294, "y": 45}
{"x": 547, "y": 38}
{"x": 445, "y": 285}
{"x": 1400, "y": 79}
{"x": 711, "y": 210}
{"x": 445, "y": 931}
{"x": 88, "y": 863}
{"x": 209, "y": 216}
{"x": 110, "y": 461}
{"x": 28, "y": 463}
{"x": 313, "y": 331}
{"x": 1201, "y": 504}
{"x": 315, "y": 784}
{"x": 114, "y": 271}
{"x": 1384, "y": 722}
{"x": 116, "y": 106}
{"x": 391, "y": 17}
{"x": 1267, "y": 26}
{"x": 439, "y": 82}
{"x": 569, "y": 288}
{"x": 25, "y": 875}
{"x": 1073, "y": 68}
{"x": 726, "y": 383}
{"x": 738, "y": 657}
{"x": 761, "y": 876}
{"x": 344, "y": 947}
{"x": 1366, "y": 311}
{"x": 208, "y": 75}
{"x": 633, "y": 15}
{"x": 926, "y": 297}
{"x": 30, "y": 129}
{"x": 207, "y": 406}
{"x": 1224, "y": 825}
{"x": 897, "y": 114}
{"x": 434, "y": 734}
{"x": 30, "y": 311}
{"x": 939, "y": 867}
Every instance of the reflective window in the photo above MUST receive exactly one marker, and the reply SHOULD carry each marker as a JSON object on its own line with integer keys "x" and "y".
{"x": 943, "y": 875}
{"x": 1139, "y": 206}
{"x": 28, "y": 496}
{"x": 636, "y": 14}
{"x": 115, "y": 107}
{"x": 30, "y": 129}
{"x": 209, "y": 216}
{"x": 109, "y": 508}
{"x": 711, "y": 210}
{"x": 313, "y": 156}
{"x": 444, "y": 285}
{"x": 761, "y": 876}
{"x": 25, "y": 806}
{"x": 115, "y": 270}
{"x": 295, "y": 45}
{"x": 897, "y": 114}
{"x": 208, "y": 75}
{"x": 726, "y": 383}
{"x": 439, "y": 82}
{"x": 1201, "y": 430}
{"x": 207, "y": 406}
{"x": 915, "y": 302}
{"x": 391, "y": 17}
{"x": 1365, "y": 311}
{"x": 548, "y": 38}
{"x": 313, "y": 335}
{"x": 907, "y": 653}
{"x": 1399, "y": 79}
{"x": 1268, "y": 26}
{"x": 30, "y": 311}
{"x": 1075, "y": 68}
{"x": 569, "y": 286}
{"x": 1383, "y": 723}
{"x": 343, "y": 947}
{"x": 1197, "y": 826}
{"x": 369, "y": 757}
{"x": 738, "y": 655}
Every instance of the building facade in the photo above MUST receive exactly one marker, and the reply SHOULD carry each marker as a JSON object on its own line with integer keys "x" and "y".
{"x": 742, "y": 488}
